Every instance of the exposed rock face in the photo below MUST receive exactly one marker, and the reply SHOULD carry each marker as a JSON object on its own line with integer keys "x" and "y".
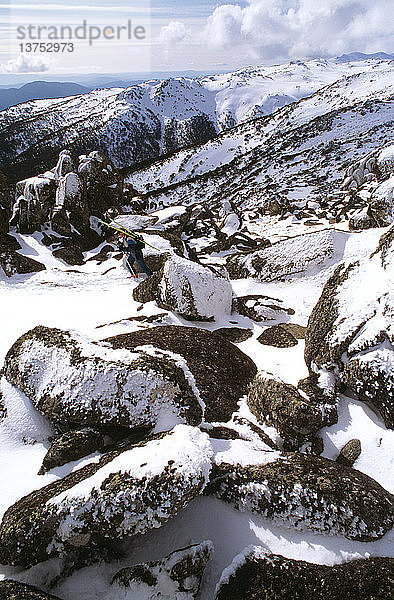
{"x": 35, "y": 197}
{"x": 14, "y": 263}
{"x": 5, "y": 204}
{"x": 175, "y": 577}
{"x": 14, "y": 590}
{"x": 180, "y": 134}
{"x": 76, "y": 383}
{"x": 3, "y": 409}
{"x": 349, "y": 453}
{"x": 221, "y": 371}
{"x": 296, "y": 417}
{"x": 125, "y": 493}
{"x": 283, "y": 260}
{"x": 261, "y": 308}
{"x": 68, "y": 197}
{"x": 71, "y": 254}
{"x": 381, "y": 206}
{"x": 308, "y": 492}
{"x": 258, "y": 575}
{"x": 278, "y": 337}
{"x": 190, "y": 289}
{"x": 71, "y": 446}
{"x": 352, "y": 334}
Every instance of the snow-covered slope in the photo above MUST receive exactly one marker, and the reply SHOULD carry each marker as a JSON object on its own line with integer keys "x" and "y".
{"x": 147, "y": 120}
{"x": 299, "y": 151}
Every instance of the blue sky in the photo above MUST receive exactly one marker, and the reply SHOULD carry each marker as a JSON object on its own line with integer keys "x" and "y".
{"x": 199, "y": 35}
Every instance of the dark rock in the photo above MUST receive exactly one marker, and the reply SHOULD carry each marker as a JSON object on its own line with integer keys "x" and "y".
{"x": 296, "y": 418}
{"x": 14, "y": 590}
{"x": 77, "y": 383}
{"x": 222, "y": 372}
{"x": 235, "y": 334}
{"x": 278, "y": 337}
{"x": 308, "y": 492}
{"x": 349, "y": 453}
{"x": 381, "y": 205}
{"x": 71, "y": 446}
{"x": 14, "y": 263}
{"x": 219, "y": 432}
{"x": 3, "y": 409}
{"x": 259, "y": 575}
{"x": 5, "y": 204}
{"x": 181, "y": 572}
{"x": 35, "y": 200}
{"x": 148, "y": 290}
{"x": 261, "y": 308}
{"x": 127, "y": 492}
{"x": 71, "y": 254}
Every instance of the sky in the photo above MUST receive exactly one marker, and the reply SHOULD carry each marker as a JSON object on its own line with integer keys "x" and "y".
{"x": 180, "y": 35}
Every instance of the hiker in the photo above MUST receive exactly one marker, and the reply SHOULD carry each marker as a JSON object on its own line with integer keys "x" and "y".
{"x": 134, "y": 250}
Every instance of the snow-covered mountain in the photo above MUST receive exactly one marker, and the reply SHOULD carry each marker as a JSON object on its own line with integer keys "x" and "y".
{"x": 154, "y": 118}
{"x": 298, "y": 152}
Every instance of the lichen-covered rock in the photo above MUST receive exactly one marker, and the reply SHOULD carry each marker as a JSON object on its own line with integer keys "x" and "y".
{"x": 125, "y": 493}
{"x": 297, "y": 331}
{"x": 14, "y": 590}
{"x": 175, "y": 577}
{"x": 278, "y": 337}
{"x": 77, "y": 383}
{"x": 308, "y": 492}
{"x": 261, "y": 308}
{"x": 381, "y": 206}
{"x": 3, "y": 408}
{"x": 71, "y": 446}
{"x": 257, "y": 574}
{"x": 289, "y": 258}
{"x": 235, "y": 334}
{"x": 385, "y": 161}
{"x": 349, "y": 453}
{"x": 352, "y": 334}
{"x": 296, "y": 416}
{"x": 192, "y": 290}
{"x": 221, "y": 371}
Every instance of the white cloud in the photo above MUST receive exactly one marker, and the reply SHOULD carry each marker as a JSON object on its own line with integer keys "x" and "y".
{"x": 174, "y": 33}
{"x": 281, "y": 29}
{"x": 24, "y": 64}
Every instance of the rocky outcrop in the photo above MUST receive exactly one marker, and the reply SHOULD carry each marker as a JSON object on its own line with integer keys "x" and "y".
{"x": 125, "y": 493}
{"x": 193, "y": 291}
{"x": 68, "y": 197}
{"x": 352, "y": 335}
{"x": 296, "y": 415}
{"x": 177, "y": 576}
{"x": 14, "y": 263}
{"x": 261, "y": 308}
{"x": 308, "y": 492}
{"x": 71, "y": 446}
{"x": 283, "y": 260}
{"x": 258, "y": 574}
{"x": 5, "y": 204}
{"x": 14, "y": 590}
{"x": 381, "y": 205}
{"x": 77, "y": 383}
{"x": 221, "y": 371}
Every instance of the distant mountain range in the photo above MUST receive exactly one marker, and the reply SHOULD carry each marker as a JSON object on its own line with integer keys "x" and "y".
{"x": 353, "y": 56}
{"x": 38, "y": 90}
